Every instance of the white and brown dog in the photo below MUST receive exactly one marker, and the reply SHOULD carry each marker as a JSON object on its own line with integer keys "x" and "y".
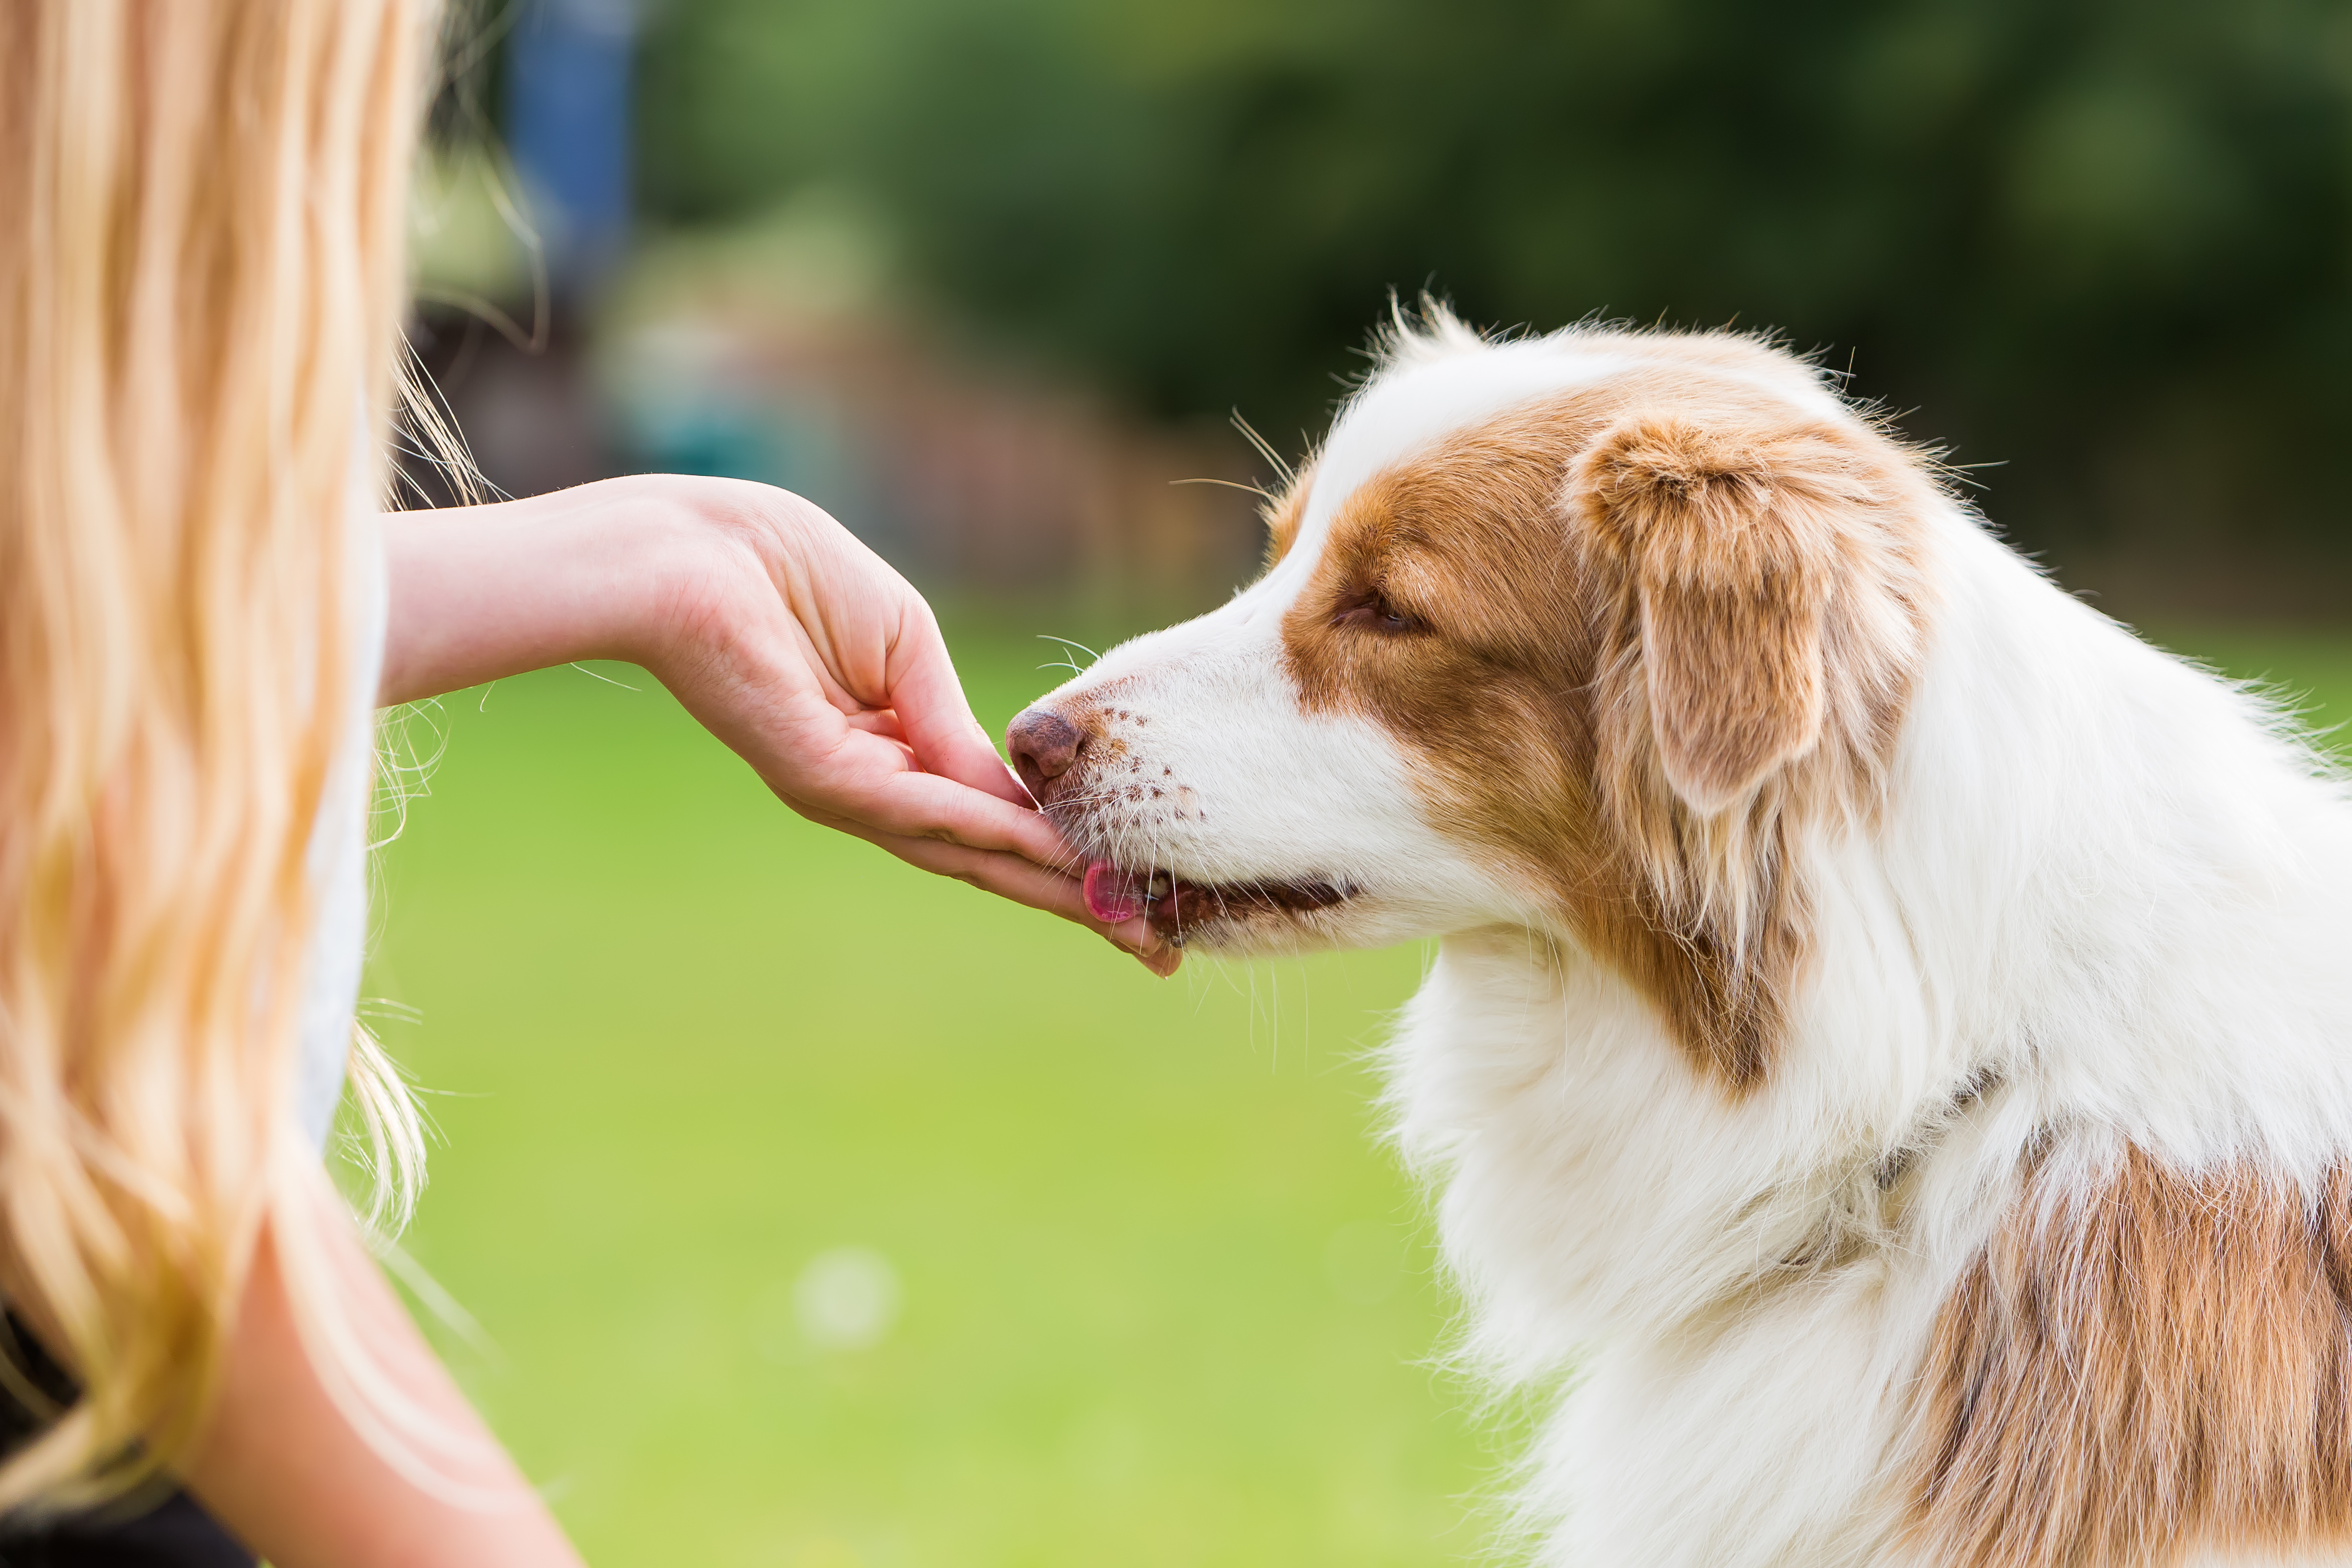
{"x": 1892, "y": 1040}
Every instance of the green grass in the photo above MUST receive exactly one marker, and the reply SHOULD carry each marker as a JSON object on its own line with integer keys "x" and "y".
{"x": 1165, "y": 1299}
{"x": 688, "y": 1042}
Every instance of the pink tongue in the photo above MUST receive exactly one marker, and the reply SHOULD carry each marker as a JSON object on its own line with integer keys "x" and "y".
{"x": 1111, "y": 894}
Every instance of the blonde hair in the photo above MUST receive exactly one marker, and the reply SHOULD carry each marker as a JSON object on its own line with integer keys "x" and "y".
{"x": 200, "y": 297}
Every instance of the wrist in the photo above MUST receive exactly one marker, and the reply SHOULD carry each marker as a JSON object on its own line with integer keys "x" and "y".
{"x": 699, "y": 555}
{"x": 480, "y": 593}
{"x": 651, "y": 550}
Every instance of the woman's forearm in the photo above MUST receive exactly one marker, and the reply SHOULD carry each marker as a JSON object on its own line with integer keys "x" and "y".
{"x": 478, "y": 593}
{"x": 283, "y": 1467}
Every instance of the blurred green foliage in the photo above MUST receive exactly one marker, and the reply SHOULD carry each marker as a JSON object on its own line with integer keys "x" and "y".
{"x": 2101, "y": 241}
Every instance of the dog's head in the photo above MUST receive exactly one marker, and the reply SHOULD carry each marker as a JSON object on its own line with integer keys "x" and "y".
{"x": 1588, "y": 634}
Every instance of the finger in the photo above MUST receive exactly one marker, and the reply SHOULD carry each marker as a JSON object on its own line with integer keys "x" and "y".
{"x": 896, "y": 757}
{"x": 1163, "y": 963}
{"x": 937, "y": 718}
{"x": 857, "y": 776}
{"x": 1011, "y": 876}
{"x": 1007, "y": 876}
{"x": 860, "y": 784}
{"x": 878, "y": 721}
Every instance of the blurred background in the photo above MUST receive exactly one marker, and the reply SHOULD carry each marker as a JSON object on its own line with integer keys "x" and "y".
{"x": 983, "y": 275}
{"x": 810, "y": 1212}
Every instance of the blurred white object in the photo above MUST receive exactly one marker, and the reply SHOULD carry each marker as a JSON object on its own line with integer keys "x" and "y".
{"x": 847, "y": 1298}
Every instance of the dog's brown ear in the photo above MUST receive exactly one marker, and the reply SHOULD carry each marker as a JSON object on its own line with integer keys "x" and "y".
{"x": 1721, "y": 540}
{"x": 1752, "y": 574}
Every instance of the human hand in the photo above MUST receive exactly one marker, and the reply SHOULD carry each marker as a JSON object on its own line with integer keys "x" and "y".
{"x": 783, "y": 634}
{"x": 802, "y": 649}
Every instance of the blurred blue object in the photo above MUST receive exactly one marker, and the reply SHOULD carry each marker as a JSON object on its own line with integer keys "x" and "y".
{"x": 711, "y": 435}
{"x": 568, "y": 67}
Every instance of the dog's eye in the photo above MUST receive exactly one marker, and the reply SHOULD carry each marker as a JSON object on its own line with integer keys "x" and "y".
{"x": 1372, "y": 611}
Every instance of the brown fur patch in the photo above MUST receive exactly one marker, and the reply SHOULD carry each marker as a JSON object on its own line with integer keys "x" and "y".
{"x": 1720, "y": 536}
{"x": 1281, "y": 514}
{"x": 1639, "y": 636}
{"x": 2133, "y": 1368}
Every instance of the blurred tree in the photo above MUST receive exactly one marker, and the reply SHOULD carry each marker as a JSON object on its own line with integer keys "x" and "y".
{"x": 2105, "y": 241}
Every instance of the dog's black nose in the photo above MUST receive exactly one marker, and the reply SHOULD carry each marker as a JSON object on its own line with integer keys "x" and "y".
{"x": 1043, "y": 746}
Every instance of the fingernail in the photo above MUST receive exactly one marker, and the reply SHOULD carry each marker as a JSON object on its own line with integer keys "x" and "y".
{"x": 1163, "y": 964}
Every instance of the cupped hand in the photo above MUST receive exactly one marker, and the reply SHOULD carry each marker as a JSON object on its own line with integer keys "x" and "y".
{"x": 802, "y": 649}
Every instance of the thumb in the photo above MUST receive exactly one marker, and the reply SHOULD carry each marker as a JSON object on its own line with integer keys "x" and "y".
{"x": 935, "y": 716}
